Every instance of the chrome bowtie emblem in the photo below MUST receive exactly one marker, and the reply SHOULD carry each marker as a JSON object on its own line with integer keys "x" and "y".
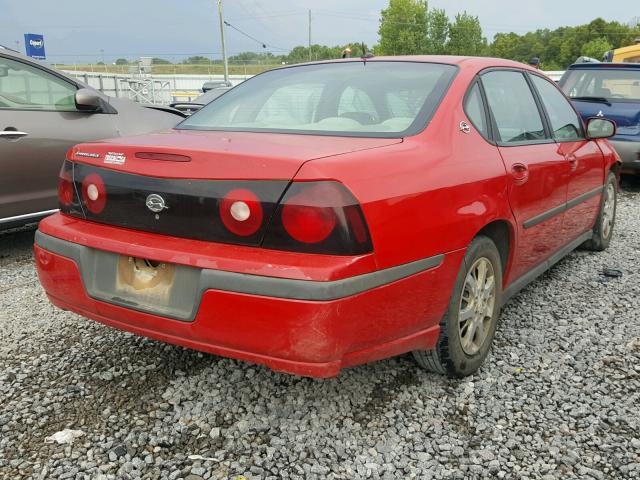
{"x": 155, "y": 203}
{"x": 464, "y": 127}
{"x": 600, "y": 114}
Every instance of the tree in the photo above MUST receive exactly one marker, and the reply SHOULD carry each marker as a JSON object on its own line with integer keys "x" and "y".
{"x": 596, "y": 48}
{"x": 197, "y": 60}
{"x": 300, "y": 54}
{"x": 560, "y": 47}
{"x": 254, "y": 57}
{"x": 403, "y": 28}
{"x": 160, "y": 61}
{"x": 122, "y": 61}
{"x": 437, "y": 31}
{"x": 465, "y": 36}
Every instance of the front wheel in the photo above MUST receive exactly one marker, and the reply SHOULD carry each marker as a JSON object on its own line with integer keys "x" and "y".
{"x": 468, "y": 326}
{"x": 603, "y": 228}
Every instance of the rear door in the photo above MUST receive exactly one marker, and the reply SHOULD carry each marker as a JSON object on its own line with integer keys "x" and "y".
{"x": 538, "y": 172}
{"x": 39, "y": 122}
{"x": 584, "y": 157}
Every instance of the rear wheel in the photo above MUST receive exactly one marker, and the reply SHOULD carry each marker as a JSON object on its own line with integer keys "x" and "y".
{"x": 468, "y": 326}
{"x": 603, "y": 228}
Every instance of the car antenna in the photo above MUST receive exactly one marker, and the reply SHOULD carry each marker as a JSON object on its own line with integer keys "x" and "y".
{"x": 365, "y": 53}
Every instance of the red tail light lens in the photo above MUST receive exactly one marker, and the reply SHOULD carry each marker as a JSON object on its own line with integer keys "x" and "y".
{"x": 241, "y": 212}
{"x": 305, "y": 216}
{"x": 65, "y": 187}
{"x": 94, "y": 193}
{"x": 319, "y": 217}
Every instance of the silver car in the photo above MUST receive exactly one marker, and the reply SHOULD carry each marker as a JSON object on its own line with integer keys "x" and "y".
{"x": 43, "y": 113}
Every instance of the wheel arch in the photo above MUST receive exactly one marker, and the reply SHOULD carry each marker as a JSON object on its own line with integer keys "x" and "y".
{"x": 502, "y": 234}
{"x": 616, "y": 169}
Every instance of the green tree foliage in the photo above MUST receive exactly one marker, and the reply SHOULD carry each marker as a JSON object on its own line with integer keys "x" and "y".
{"x": 561, "y": 47}
{"x": 196, "y": 60}
{"x": 409, "y": 27}
{"x": 465, "y": 36}
{"x": 160, "y": 61}
{"x": 122, "y": 61}
{"x": 437, "y": 31}
{"x": 254, "y": 57}
{"x": 300, "y": 54}
{"x": 596, "y": 48}
{"x": 403, "y": 28}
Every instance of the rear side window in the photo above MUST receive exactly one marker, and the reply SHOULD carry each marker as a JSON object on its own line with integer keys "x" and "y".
{"x": 565, "y": 123}
{"x": 513, "y": 107}
{"x": 474, "y": 108}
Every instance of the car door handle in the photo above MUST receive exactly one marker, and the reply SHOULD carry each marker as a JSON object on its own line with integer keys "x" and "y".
{"x": 573, "y": 162}
{"x": 520, "y": 173}
{"x": 12, "y": 134}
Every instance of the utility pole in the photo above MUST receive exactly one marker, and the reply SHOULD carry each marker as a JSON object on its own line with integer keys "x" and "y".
{"x": 224, "y": 46}
{"x": 309, "y": 34}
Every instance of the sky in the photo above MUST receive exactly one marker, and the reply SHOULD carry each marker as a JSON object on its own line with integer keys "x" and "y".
{"x": 85, "y": 31}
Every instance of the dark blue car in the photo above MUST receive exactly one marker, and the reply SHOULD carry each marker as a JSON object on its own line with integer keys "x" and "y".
{"x": 610, "y": 90}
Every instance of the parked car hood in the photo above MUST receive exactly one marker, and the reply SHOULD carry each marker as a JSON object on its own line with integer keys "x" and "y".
{"x": 220, "y": 155}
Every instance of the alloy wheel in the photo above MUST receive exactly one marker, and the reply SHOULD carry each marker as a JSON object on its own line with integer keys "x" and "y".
{"x": 608, "y": 210}
{"x": 477, "y": 305}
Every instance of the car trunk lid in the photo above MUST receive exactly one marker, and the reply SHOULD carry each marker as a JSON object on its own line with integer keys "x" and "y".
{"x": 176, "y": 183}
{"x": 220, "y": 155}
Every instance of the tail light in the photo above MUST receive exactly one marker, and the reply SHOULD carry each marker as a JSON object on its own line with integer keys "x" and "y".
{"x": 241, "y": 212}
{"x": 315, "y": 217}
{"x": 319, "y": 217}
{"x": 94, "y": 193}
{"x": 65, "y": 186}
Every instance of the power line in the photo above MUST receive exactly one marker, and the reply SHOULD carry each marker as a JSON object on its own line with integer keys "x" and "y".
{"x": 259, "y": 17}
{"x": 259, "y": 42}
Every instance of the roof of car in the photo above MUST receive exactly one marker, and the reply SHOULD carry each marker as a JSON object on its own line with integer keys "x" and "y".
{"x": 4, "y": 50}
{"x": 477, "y": 62}
{"x": 577, "y": 66}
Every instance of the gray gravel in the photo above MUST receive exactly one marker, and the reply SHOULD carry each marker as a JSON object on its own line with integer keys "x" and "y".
{"x": 557, "y": 399}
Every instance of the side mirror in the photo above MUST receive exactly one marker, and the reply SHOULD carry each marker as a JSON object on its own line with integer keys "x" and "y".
{"x": 600, "y": 128}
{"x": 88, "y": 100}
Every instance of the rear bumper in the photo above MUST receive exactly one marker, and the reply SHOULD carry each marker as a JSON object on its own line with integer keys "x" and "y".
{"x": 304, "y": 327}
{"x": 629, "y": 153}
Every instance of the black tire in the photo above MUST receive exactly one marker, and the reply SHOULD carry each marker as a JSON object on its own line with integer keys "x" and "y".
{"x": 449, "y": 356}
{"x": 601, "y": 235}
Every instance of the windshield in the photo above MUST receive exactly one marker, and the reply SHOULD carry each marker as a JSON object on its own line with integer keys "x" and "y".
{"x": 378, "y": 99}
{"x": 612, "y": 85}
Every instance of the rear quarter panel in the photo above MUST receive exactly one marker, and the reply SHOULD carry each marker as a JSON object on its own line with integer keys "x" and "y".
{"x": 611, "y": 158}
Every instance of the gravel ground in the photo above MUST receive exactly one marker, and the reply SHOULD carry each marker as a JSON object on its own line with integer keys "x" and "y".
{"x": 558, "y": 398}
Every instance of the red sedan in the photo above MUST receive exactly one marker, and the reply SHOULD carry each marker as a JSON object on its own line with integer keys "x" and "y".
{"x": 326, "y": 215}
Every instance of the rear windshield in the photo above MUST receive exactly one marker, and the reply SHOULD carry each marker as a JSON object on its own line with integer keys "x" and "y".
{"x": 614, "y": 85}
{"x": 365, "y": 99}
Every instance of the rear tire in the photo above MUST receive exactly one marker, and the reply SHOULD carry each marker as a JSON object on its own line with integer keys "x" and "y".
{"x": 469, "y": 324}
{"x": 603, "y": 228}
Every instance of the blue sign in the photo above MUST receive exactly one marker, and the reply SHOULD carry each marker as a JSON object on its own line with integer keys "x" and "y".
{"x": 34, "y": 45}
